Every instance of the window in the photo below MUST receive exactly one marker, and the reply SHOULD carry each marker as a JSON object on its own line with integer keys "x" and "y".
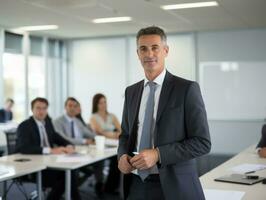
{"x": 36, "y": 70}
{"x": 14, "y": 82}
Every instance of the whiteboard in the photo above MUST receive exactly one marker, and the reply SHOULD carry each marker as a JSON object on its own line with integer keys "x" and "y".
{"x": 234, "y": 90}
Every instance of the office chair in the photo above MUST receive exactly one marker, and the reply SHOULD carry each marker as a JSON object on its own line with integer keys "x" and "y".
{"x": 11, "y": 138}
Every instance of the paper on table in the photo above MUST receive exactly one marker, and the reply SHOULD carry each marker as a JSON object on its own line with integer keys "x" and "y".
{"x": 243, "y": 168}
{"x": 72, "y": 158}
{"x": 211, "y": 194}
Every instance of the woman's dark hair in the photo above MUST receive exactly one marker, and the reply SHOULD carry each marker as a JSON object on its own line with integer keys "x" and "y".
{"x": 95, "y": 102}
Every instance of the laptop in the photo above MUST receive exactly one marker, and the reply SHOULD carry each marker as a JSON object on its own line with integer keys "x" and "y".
{"x": 239, "y": 179}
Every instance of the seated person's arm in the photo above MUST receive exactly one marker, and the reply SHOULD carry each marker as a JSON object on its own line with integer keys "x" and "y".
{"x": 97, "y": 128}
{"x": 117, "y": 127}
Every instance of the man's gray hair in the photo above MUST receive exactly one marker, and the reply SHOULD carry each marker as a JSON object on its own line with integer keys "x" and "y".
{"x": 152, "y": 30}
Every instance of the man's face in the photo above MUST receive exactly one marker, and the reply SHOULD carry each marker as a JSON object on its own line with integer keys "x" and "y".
{"x": 71, "y": 108}
{"x": 9, "y": 105}
{"x": 152, "y": 52}
{"x": 39, "y": 110}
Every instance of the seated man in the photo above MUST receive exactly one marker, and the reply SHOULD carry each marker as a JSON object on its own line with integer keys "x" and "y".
{"x": 36, "y": 135}
{"x": 6, "y": 112}
{"x": 71, "y": 128}
{"x": 261, "y": 147}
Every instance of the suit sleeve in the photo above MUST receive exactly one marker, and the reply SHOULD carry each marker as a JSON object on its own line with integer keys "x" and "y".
{"x": 25, "y": 143}
{"x": 61, "y": 137}
{"x": 124, "y": 136}
{"x": 87, "y": 133}
{"x": 262, "y": 142}
{"x": 58, "y": 139}
{"x": 197, "y": 141}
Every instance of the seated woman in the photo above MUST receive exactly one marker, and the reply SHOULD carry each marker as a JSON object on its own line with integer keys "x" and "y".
{"x": 106, "y": 124}
{"x": 103, "y": 122}
{"x": 261, "y": 147}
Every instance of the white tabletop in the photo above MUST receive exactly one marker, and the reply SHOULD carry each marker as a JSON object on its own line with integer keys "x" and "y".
{"x": 87, "y": 155}
{"x": 12, "y": 169}
{"x": 256, "y": 191}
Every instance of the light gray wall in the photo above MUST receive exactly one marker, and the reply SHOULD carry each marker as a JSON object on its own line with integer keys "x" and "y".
{"x": 232, "y": 136}
{"x": 1, "y": 65}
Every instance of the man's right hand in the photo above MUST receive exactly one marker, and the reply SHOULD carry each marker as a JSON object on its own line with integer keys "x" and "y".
{"x": 124, "y": 165}
{"x": 58, "y": 150}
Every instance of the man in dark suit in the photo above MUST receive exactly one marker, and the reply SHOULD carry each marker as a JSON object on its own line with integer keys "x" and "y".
{"x": 6, "y": 112}
{"x": 261, "y": 147}
{"x": 36, "y": 135}
{"x": 164, "y": 127}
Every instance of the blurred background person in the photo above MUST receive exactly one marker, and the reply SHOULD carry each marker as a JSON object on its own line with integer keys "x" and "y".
{"x": 103, "y": 122}
{"x": 71, "y": 128}
{"x": 36, "y": 135}
{"x": 106, "y": 124}
{"x": 261, "y": 147}
{"x": 6, "y": 112}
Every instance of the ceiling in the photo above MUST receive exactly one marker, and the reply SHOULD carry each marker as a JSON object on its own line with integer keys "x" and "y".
{"x": 74, "y": 16}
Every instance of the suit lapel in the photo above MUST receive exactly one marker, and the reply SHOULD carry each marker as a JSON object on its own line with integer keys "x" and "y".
{"x": 135, "y": 110}
{"x": 165, "y": 94}
{"x": 136, "y": 101}
{"x": 35, "y": 130}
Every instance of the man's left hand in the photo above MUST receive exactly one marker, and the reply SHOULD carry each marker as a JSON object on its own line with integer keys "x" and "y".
{"x": 145, "y": 159}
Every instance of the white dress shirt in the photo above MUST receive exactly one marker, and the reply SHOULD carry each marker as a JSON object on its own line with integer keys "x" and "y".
{"x": 41, "y": 125}
{"x": 145, "y": 94}
{"x": 76, "y": 129}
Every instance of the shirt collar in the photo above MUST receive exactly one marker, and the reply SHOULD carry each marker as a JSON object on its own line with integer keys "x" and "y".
{"x": 39, "y": 123}
{"x": 69, "y": 119}
{"x": 158, "y": 80}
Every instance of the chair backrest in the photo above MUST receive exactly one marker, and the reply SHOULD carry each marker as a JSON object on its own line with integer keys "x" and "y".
{"x": 11, "y": 139}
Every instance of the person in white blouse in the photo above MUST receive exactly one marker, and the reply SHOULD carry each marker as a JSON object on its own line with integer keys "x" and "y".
{"x": 106, "y": 124}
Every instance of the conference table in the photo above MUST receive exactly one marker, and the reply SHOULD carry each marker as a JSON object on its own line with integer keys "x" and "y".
{"x": 10, "y": 169}
{"x": 85, "y": 155}
{"x": 252, "y": 192}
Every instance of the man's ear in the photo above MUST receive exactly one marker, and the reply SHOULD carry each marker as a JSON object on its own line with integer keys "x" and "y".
{"x": 166, "y": 49}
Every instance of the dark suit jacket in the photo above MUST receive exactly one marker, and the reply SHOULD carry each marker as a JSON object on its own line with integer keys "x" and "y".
{"x": 28, "y": 141}
{"x": 262, "y": 142}
{"x": 181, "y": 134}
{"x": 3, "y": 113}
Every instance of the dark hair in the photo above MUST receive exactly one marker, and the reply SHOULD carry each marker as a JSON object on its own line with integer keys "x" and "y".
{"x": 71, "y": 99}
{"x": 10, "y": 100}
{"x": 152, "y": 30}
{"x": 39, "y": 99}
{"x": 95, "y": 102}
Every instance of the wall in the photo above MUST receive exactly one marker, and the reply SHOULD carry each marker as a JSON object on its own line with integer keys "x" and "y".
{"x": 231, "y": 136}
